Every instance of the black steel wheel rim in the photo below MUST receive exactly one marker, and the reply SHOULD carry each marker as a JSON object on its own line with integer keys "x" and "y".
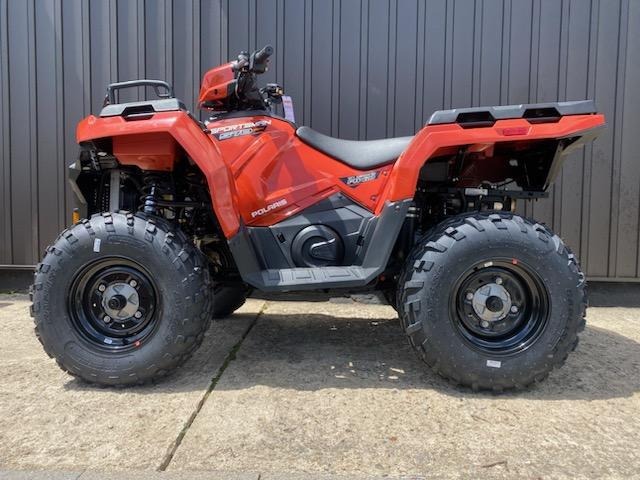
{"x": 114, "y": 303}
{"x": 500, "y": 306}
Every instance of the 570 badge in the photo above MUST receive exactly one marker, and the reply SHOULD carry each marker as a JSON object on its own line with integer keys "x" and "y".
{"x": 355, "y": 180}
{"x": 239, "y": 129}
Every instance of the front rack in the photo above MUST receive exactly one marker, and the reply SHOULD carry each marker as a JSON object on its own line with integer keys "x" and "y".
{"x": 157, "y": 85}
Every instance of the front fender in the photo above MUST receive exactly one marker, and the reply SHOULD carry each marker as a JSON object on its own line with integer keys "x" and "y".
{"x": 197, "y": 145}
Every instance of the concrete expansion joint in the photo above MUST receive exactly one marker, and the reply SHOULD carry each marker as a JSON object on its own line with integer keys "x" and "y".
{"x": 173, "y": 448}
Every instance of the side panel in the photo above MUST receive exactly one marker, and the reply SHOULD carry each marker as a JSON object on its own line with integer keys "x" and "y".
{"x": 333, "y": 232}
{"x": 277, "y": 175}
{"x": 193, "y": 140}
{"x": 435, "y": 138}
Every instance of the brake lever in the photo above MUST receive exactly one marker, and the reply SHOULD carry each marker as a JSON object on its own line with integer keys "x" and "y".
{"x": 242, "y": 62}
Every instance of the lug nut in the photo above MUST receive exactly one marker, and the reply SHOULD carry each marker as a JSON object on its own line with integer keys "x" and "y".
{"x": 514, "y": 309}
{"x": 469, "y": 296}
{"x": 133, "y": 283}
{"x": 102, "y": 288}
{"x": 138, "y": 314}
{"x": 485, "y": 324}
{"x": 107, "y": 319}
{"x": 499, "y": 280}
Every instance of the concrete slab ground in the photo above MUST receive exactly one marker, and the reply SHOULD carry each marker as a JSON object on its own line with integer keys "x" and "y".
{"x": 330, "y": 387}
{"x": 50, "y": 420}
{"x": 320, "y": 389}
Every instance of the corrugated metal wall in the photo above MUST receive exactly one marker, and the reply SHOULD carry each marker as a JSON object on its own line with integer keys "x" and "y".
{"x": 355, "y": 68}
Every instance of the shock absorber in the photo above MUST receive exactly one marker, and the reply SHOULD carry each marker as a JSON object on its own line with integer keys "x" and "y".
{"x": 408, "y": 231}
{"x": 155, "y": 188}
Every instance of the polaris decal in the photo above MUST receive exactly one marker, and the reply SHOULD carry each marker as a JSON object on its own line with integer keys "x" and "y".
{"x": 272, "y": 206}
{"x": 355, "y": 180}
{"x": 239, "y": 129}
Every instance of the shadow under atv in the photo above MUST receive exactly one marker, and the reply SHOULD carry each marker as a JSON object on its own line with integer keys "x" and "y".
{"x": 310, "y": 352}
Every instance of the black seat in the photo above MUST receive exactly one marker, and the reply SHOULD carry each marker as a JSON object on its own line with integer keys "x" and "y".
{"x": 362, "y": 155}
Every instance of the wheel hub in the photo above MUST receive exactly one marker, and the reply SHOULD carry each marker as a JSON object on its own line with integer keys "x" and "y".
{"x": 114, "y": 303}
{"x": 499, "y": 307}
{"x": 491, "y": 302}
{"x": 120, "y": 301}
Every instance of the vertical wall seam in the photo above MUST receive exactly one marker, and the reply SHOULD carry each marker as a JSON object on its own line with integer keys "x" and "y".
{"x": 587, "y": 178}
{"x": 424, "y": 63}
{"x": 416, "y": 95}
{"x": 475, "y": 51}
{"x": 445, "y": 56}
{"x": 480, "y": 50}
{"x": 392, "y": 66}
{"x": 595, "y": 26}
{"x": 359, "y": 134}
{"x": 197, "y": 51}
{"x": 364, "y": 86}
{"x": 308, "y": 64}
{"x": 6, "y": 129}
{"x": 59, "y": 88}
{"x": 335, "y": 68}
{"x": 113, "y": 36}
{"x": 33, "y": 133}
{"x": 501, "y": 86}
{"x": 86, "y": 58}
{"x": 561, "y": 88}
{"x": 617, "y": 133}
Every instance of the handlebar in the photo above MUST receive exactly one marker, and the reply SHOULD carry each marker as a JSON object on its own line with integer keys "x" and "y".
{"x": 247, "y": 67}
{"x": 257, "y": 62}
{"x": 262, "y": 55}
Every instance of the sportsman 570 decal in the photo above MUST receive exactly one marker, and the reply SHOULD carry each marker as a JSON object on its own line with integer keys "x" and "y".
{"x": 240, "y": 129}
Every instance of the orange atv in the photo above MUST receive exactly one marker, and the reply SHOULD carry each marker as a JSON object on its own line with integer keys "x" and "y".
{"x": 181, "y": 220}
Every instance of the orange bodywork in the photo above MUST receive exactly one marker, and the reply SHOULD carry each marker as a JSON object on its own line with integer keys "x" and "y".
{"x": 195, "y": 143}
{"x": 262, "y": 178}
{"x": 435, "y": 140}
{"x": 149, "y": 151}
{"x": 216, "y": 84}
{"x": 275, "y": 165}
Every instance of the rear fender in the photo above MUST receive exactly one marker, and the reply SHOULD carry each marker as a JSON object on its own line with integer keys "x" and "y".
{"x": 435, "y": 140}
{"x": 188, "y": 135}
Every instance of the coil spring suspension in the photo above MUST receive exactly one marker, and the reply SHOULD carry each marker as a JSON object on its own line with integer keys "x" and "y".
{"x": 155, "y": 188}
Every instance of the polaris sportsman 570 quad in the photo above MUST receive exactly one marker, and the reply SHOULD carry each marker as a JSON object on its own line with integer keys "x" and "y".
{"x": 181, "y": 220}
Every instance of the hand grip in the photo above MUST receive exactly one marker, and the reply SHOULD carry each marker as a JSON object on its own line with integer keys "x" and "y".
{"x": 261, "y": 55}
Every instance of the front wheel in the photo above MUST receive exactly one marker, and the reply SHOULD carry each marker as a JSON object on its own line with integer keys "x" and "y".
{"x": 120, "y": 299}
{"x": 492, "y": 301}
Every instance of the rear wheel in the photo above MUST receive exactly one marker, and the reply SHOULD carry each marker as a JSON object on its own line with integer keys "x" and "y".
{"x": 121, "y": 299}
{"x": 492, "y": 301}
{"x": 227, "y": 299}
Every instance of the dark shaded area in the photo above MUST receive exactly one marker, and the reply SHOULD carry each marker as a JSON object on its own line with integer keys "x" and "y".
{"x": 15, "y": 280}
{"x": 610, "y": 294}
{"x": 601, "y": 294}
{"x": 316, "y": 351}
{"x": 310, "y": 352}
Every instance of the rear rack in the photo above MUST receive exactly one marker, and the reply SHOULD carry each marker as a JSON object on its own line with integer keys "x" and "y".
{"x": 477, "y": 117}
